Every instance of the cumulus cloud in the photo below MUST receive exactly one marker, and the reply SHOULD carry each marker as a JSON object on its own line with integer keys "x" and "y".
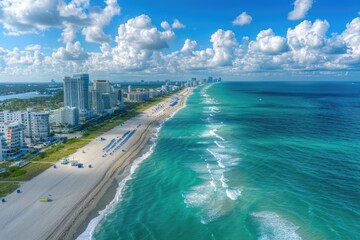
{"x": 139, "y": 49}
{"x": 224, "y": 44}
{"x": 139, "y": 44}
{"x": 242, "y": 19}
{"x": 177, "y": 24}
{"x": 165, "y": 25}
{"x": 188, "y": 46}
{"x": 267, "y": 43}
{"x": 301, "y": 7}
{"x": 27, "y": 16}
{"x": 99, "y": 19}
{"x": 308, "y": 35}
{"x": 351, "y": 36}
{"x": 71, "y": 52}
{"x": 139, "y": 33}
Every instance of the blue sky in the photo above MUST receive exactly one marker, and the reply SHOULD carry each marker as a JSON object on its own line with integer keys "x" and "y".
{"x": 141, "y": 39}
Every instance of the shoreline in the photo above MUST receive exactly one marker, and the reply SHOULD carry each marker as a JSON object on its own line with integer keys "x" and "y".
{"x": 84, "y": 217}
{"x": 108, "y": 196}
{"x": 110, "y": 193}
{"x": 79, "y": 194}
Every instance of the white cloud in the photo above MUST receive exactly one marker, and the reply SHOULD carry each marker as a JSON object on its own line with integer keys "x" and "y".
{"x": 308, "y": 35}
{"x": 165, "y": 25}
{"x": 27, "y": 16}
{"x": 267, "y": 43}
{"x": 139, "y": 33}
{"x": 177, "y": 24}
{"x": 73, "y": 52}
{"x": 351, "y": 36}
{"x": 224, "y": 44}
{"x": 242, "y": 19}
{"x": 188, "y": 46}
{"x": 99, "y": 19}
{"x": 301, "y": 7}
{"x": 140, "y": 46}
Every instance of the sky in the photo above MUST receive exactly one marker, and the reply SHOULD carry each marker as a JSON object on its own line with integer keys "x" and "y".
{"x": 125, "y": 40}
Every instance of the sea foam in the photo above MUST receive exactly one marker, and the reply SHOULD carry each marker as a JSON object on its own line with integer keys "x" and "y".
{"x": 273, "y": 226}
{"x": 88, "y": 233}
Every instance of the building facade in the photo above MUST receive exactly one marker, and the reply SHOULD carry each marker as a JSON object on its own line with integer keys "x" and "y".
{"x": 40, "y": 126}
{"x": 12, "y": 138}
{"x": 76, "y": 93}
{"x": 65, "y": 116}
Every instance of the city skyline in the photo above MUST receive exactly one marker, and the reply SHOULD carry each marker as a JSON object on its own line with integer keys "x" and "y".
{"x": 133, "y": 40}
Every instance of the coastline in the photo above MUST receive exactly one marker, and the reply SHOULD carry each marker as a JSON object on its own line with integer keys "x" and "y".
{"x": 111, "y": 192}
{"x": 79, "y": 194}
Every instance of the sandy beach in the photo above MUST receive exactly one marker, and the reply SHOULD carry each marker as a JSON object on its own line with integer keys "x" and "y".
{"x": 76, "y": 192}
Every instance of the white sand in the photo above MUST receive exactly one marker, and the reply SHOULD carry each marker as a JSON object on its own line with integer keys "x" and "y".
{"x": 75, "y": 191}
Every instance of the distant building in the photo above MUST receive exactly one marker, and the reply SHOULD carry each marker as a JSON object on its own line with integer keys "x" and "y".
{"x": 12, "y": 138}
{"x": 1, "y": 151}
{"x": 66, "y": 116}
{"x": 129, "y": 89}
{"x": 120, "y": 97}
{"x": 136, "y": 96}
{"x": 97, "y": 103}
{"x": 76, "y": 93}
{"x": 40, "y": 126}
{"x": 101, "y": 86}
{"x": 11, "y": 116}
{"x": 26, "y": 119}
{"x": 113, "y": 98}
{"x": 106, "y": 100}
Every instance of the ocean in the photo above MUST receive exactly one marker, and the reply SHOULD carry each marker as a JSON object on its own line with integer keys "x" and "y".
{"x": 246, "y": 160}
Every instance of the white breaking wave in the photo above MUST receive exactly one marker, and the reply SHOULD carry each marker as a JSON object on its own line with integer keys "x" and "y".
{"x": 223, "y": 181}
{"x": 274, "y": 227}
{"x": 219, "y": 145}
{"x": 88, "y": 233}
{"x": 233, "y": 194}
{"x": 213, "y": 132}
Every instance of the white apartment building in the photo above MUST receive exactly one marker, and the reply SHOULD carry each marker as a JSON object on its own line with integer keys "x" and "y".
{"x": 40, "y": 126}
{"x": 65, "y": 116}
{"x": 12, "y": 138}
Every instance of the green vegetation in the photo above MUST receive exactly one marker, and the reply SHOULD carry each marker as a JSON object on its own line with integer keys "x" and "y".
{"x": 27, "y": 172}
{"x": 6, "y": 188}
{"x": 94, "y": 129}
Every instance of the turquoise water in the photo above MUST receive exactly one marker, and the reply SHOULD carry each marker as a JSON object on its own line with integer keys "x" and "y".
{"x": 249, "y": 161}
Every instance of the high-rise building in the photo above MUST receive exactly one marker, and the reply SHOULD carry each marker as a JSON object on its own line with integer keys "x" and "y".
{"x": 12, "y": 138}
{"x": 97, "y": 103}
{"x": 106, "y": 100}
{"x": 1, "y": 152}
{"x": 76, "y": 91}
{"x": 129, "y": 89}
{"x": 102, "y": 86}
{"x": 40, "y": 126}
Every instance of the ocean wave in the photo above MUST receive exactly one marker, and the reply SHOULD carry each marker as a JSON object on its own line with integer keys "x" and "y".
{"x": 213, "y": 109}
{"x": 223, "y": 181}
{"x": 273, "y": 226}
{"x": 213, "y": 133}
{"x": 209, "y": 203}
{"x": 88, "y": 233}
{"x": 219, "y": 145}
{"x": 233, "y": 194}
